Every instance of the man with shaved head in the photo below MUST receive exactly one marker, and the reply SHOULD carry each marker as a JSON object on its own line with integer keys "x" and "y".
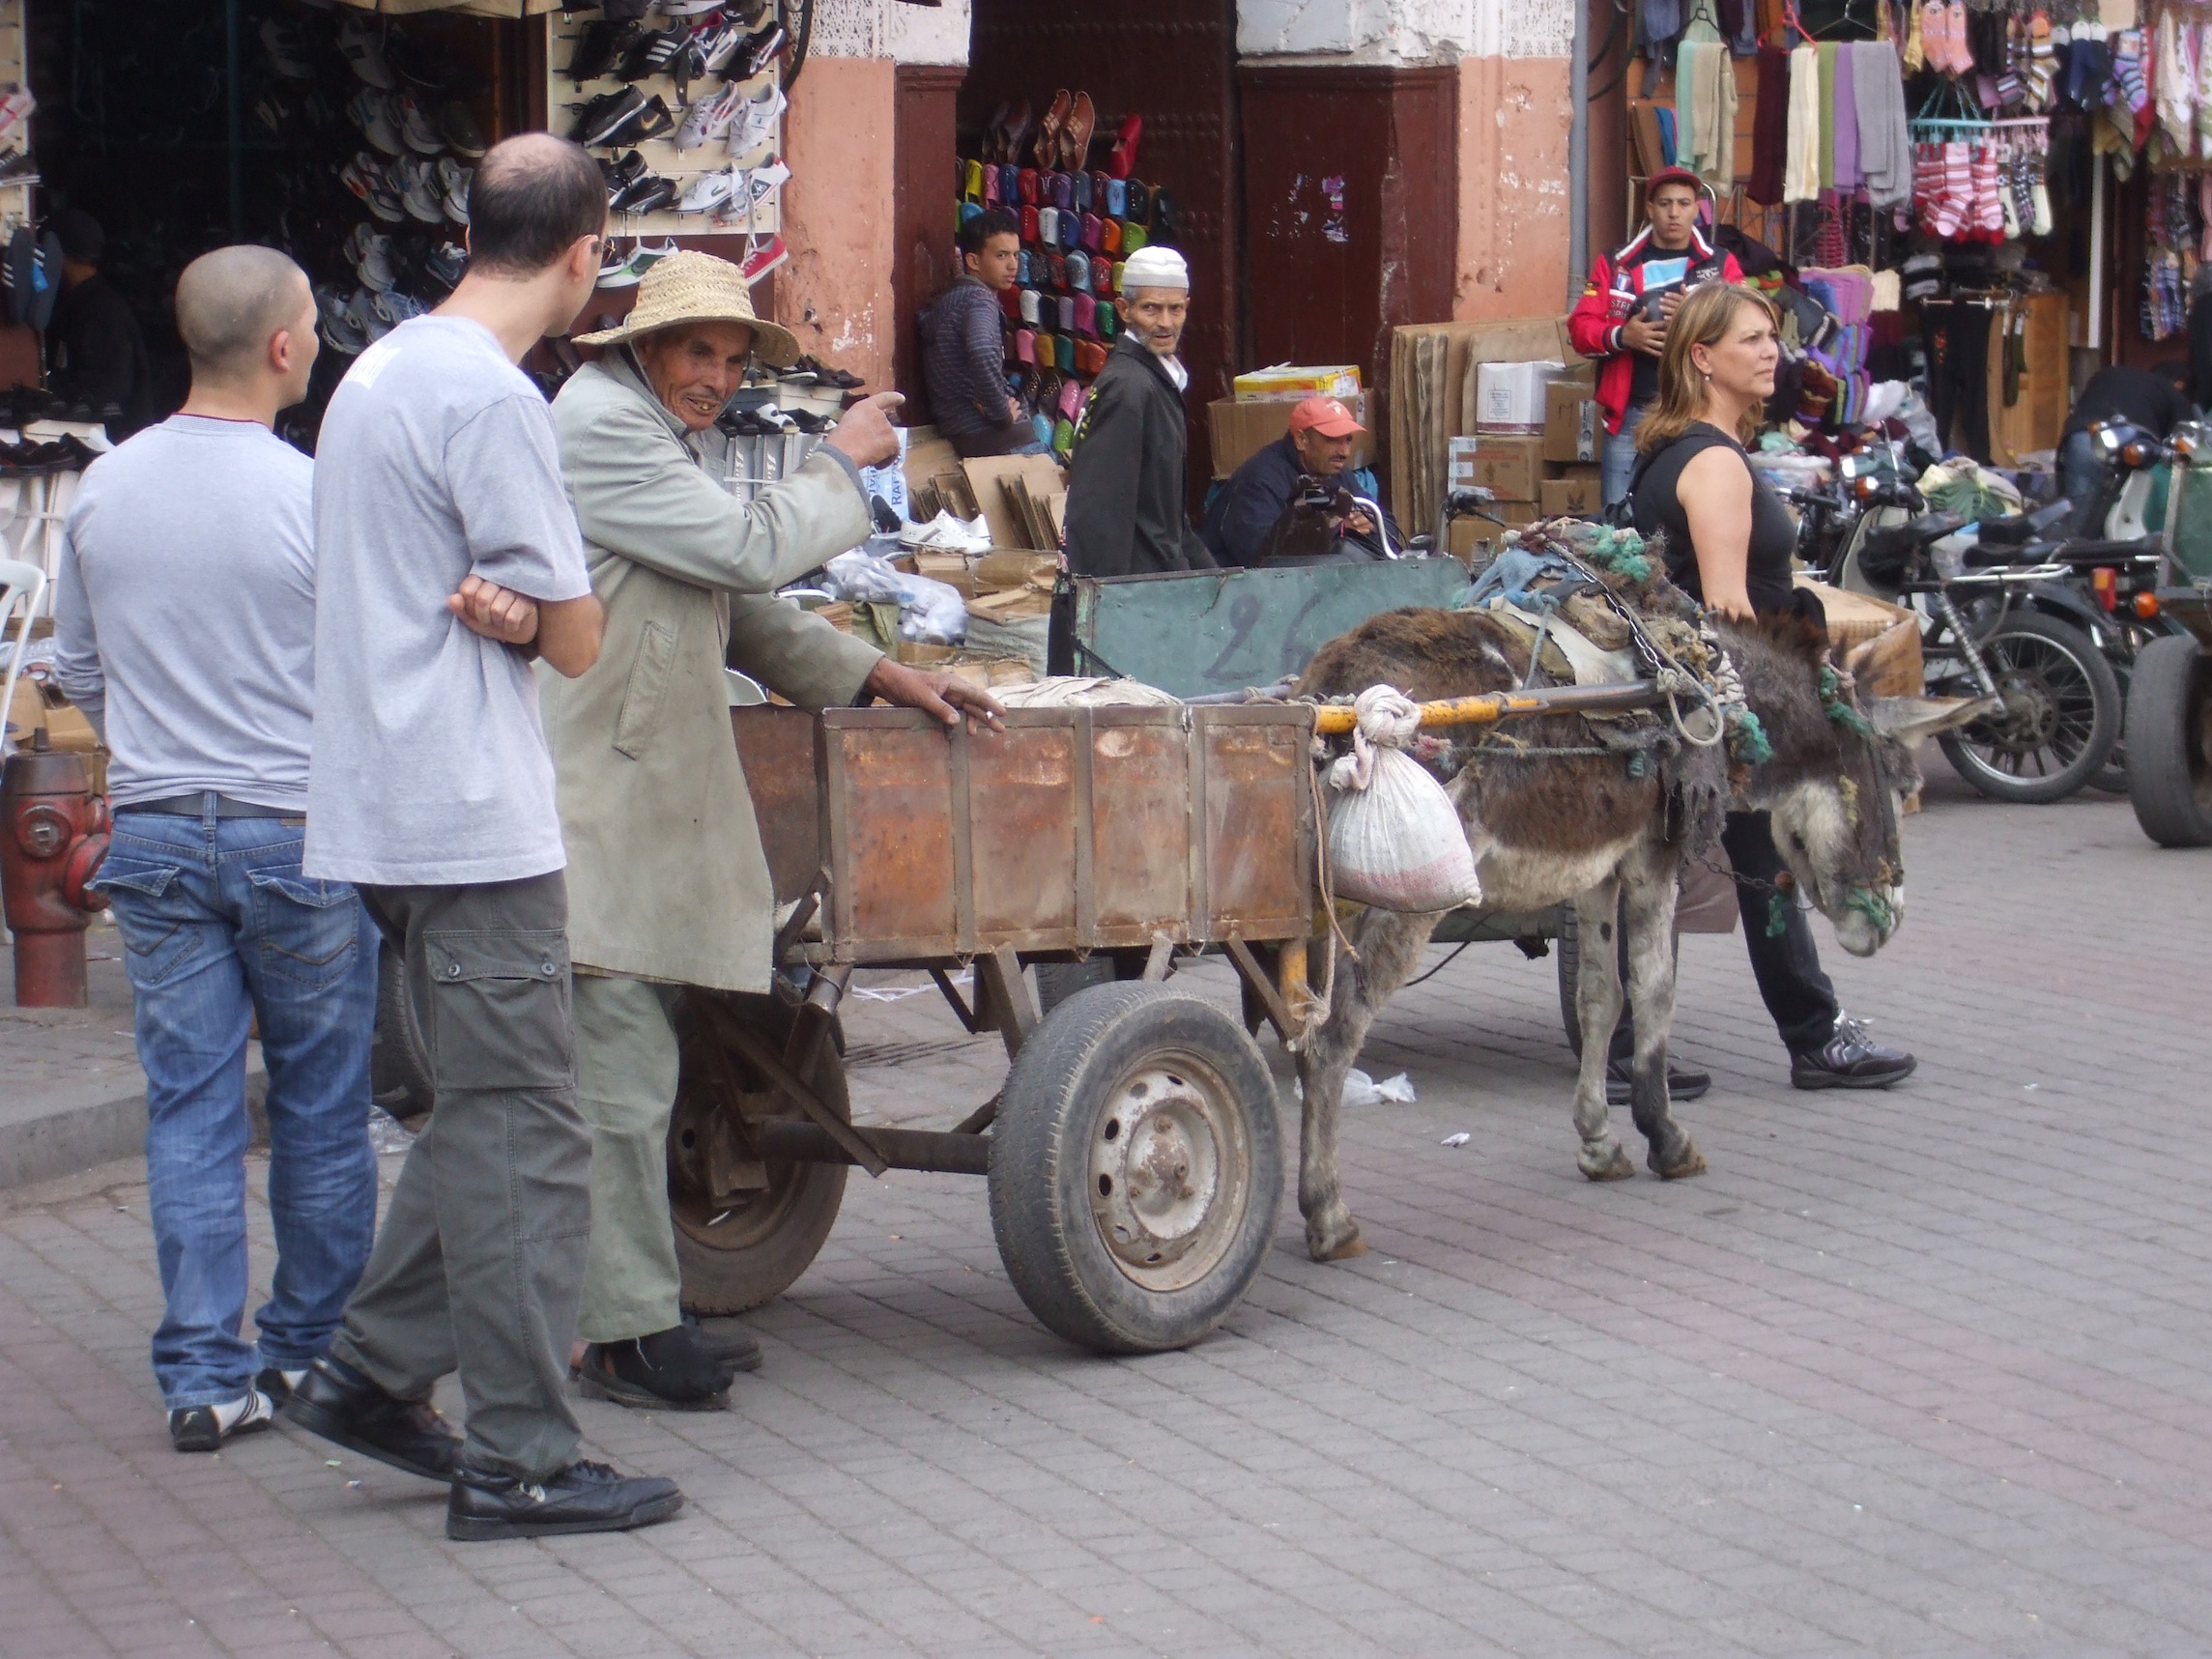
{"x": 185, "y": 618}
{"x": 447, "y": 560}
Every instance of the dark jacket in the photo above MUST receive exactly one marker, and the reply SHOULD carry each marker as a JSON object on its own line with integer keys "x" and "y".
{"x": 1245, "y": 518}
{"x": 963, "y": 360}
{"x": 1125, "y": 481}
{"x": 98, "y": 353}
{"x": 2140, "y": 397}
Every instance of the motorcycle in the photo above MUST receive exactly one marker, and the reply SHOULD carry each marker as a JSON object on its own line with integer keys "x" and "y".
{"x": 2112, "y": 554}
{"x": 1998, "y": 621}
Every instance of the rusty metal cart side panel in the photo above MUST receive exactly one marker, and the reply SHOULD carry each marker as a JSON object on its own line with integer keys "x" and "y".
{"x": 897, "y": 834}
{"x": 1259, "y": 822}
{"x": 1075, "y": 830}
{"x": 776, "y": 746}
{"x": 1140, "y": 820}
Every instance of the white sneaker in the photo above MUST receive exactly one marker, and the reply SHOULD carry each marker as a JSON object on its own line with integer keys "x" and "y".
{"x": 367, "y": 178}
{"x": 361, "y": 44}
{"x": 453, "y": 191}
{"x": 711, "y": 118}
{"x": 361, "y": 315}
{"x": 418, "y": 191}
{"x": 395, "y": 308}
{"x": 371, "y": 112}
{"x": 758, "y": 125}
{"x": 373, "y": 260}
{"x": 709, "y": 190}
{"x": 338, "y": 329}
{"x": 419, "y": 127}
{"x": 760, "y": 187}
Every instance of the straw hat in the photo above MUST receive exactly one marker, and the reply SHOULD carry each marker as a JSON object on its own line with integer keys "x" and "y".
{"x": 688, "y": 287}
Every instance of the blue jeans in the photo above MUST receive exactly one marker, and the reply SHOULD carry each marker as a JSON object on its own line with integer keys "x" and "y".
{"x": 219, "y": 925}
{"x": 1620, "y": 461}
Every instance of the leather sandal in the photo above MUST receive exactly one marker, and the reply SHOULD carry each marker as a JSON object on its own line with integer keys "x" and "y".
{"x": 1049, "y": 130}
{"x": 1075, "y": 136}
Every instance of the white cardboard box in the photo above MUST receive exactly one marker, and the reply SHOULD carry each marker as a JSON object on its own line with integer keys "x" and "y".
{"x": 1509, "y": 397}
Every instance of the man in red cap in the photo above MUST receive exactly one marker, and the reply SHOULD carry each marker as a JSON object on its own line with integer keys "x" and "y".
{"x": 1262, "y": 515}
{"x": 1621, "y": 317}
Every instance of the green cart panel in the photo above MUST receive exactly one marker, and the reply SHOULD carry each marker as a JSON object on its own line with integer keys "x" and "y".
{"x": 1202, "y": 631}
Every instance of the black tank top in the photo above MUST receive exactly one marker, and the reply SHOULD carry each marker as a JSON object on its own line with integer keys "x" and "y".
{"x": 1660, "y": 508}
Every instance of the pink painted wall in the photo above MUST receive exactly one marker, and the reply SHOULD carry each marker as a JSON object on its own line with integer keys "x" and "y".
{"x": 1514, "y": 114}
{"x": 835, "y": 294}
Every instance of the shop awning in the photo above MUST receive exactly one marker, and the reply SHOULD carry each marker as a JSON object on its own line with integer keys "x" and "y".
{"x": 470, "y": 7}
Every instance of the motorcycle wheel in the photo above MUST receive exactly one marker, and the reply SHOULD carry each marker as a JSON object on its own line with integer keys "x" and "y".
{"x": 2062, "y": 716}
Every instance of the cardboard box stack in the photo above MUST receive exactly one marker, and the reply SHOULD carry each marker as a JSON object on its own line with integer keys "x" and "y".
{"x": 1513, "y": 449}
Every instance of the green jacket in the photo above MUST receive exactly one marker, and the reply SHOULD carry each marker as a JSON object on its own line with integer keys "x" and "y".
{"x": 666, "y": 877}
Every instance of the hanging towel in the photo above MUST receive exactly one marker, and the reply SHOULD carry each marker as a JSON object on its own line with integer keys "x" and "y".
{"x": 1687, "y": 55}
{"x": 1827, "y": 62}
{"x": 1846, "y": 121}
{"x": 1801, "y": 165}
{"x": 2173, "y": 83}
{"x": 1670, "y": 141}
{"x": 1770, "y": 128}
{"x": 1885, "y": 137}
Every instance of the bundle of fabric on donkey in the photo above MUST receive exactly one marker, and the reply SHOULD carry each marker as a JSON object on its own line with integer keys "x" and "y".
{"x": 1601, "y": 809}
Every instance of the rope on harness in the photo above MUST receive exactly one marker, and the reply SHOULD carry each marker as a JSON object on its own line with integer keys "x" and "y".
{"x": 1838, "y": 710}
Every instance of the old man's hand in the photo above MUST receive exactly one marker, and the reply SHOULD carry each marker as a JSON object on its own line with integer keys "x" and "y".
{"x": 944, "y": 695}
{"x": 496, "y": 612}
{"x": 866, "y": 436}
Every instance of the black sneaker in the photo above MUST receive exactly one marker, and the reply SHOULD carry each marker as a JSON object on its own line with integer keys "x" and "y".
{"x": 670, "y": 1370}
{"x": 340, "y": 1405}
{"x": 1851, "y": 1059}
{"x": 729, "y": 1342}
{"x": 204, "y": 1428}
{"x": 582, "y": 1497}
{"x": 279, "y": 1383}
{"x": 1684, "y": 1082}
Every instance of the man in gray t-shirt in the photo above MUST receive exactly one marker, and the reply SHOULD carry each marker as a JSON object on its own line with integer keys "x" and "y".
{"x": 447, "y": 557}
{"x": 184, "y": 630}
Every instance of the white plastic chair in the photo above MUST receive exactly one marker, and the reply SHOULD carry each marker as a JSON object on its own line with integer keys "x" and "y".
{"x": 22, "y": 588}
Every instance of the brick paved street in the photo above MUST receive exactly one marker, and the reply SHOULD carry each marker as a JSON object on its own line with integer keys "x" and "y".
{"x": 1909, "y": 1373}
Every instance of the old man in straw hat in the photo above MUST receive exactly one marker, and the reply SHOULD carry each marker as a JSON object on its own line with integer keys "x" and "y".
{"x": 668, "y": 886}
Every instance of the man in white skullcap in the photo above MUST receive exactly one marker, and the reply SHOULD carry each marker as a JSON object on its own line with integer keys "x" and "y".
{"x": 1125, "y": 482}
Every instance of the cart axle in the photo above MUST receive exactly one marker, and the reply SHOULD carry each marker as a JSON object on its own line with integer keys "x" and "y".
{"x": 938, "y": 1151}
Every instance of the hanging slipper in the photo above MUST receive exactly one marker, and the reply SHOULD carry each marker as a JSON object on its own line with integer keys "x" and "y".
{"x": 1075, "y": 136}
{"x": 1048, "y": 131}
{"x": 1121, "y": 159}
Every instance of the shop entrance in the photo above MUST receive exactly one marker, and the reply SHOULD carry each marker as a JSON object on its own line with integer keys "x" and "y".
{"x": 1171, "y": 63}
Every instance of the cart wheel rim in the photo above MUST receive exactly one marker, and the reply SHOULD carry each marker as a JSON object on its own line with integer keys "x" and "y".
{"x": 1170, "y": 1172}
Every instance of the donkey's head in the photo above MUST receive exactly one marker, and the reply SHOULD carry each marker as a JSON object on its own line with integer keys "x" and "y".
{"x": 1839, "y": 774}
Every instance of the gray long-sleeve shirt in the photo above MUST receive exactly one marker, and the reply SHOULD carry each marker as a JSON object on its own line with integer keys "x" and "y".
{"x": 185, "y": 612}
{"x": 964, "y": 359}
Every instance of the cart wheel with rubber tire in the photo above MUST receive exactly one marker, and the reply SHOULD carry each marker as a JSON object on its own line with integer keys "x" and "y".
{"x": 2170, "y": 742}
{"x": 1136, "y": 1167}
{"x": 399, "y": 1063}
{"x": 745, "y": 1227}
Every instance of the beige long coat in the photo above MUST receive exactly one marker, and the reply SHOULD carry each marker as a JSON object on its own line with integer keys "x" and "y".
{"x": 666, "y": 877}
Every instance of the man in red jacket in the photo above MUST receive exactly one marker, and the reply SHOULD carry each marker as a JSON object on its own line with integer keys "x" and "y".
{"x": 1621, "y": 317}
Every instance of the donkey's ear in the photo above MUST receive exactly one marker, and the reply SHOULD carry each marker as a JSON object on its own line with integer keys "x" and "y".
{"x": 1913, "y": 720}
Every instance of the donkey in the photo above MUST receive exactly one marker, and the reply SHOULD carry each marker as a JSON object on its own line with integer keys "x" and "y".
{"x": 1610, "y": 835}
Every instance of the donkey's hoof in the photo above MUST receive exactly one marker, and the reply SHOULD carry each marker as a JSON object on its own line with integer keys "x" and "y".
{"x": 1332, "y": 1235}
{"x": 1687, "y": 1161}
{"x": 1613, "y": 1165}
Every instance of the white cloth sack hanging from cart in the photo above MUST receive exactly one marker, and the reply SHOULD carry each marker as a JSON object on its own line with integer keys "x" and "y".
{"x": 1395, "y": 838}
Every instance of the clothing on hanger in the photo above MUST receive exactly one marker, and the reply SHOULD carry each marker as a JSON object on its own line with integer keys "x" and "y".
{"x": 1770, "y": 127}
{"x": 1801, "y": 165}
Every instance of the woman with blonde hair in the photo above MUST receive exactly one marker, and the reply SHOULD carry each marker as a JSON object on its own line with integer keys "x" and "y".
{"x": 1727, "y": 541}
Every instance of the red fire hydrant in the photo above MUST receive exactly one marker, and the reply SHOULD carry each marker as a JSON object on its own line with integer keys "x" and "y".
{"x": 53, "y": 834}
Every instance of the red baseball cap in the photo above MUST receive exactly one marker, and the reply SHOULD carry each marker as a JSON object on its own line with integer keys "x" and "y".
{"x": 1671, "y": 176}
{"x": 1324, "y": 415}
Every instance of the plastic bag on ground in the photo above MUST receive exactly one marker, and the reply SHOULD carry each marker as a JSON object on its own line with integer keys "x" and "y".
{"x": 1395, "y": 838}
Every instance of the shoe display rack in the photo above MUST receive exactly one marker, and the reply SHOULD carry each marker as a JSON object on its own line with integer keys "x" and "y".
{"x": 1078, "y": 224}
{"x": 19, "y": 172}
{"x": 683, "y": 103}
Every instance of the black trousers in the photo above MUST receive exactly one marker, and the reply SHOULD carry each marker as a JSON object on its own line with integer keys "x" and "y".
{"x": 1957, "y": 338}
{"x": 1788, "y": 967}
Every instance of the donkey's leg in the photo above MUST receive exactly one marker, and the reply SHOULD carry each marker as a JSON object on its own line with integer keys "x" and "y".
{"x": 1648, "y": 907}
{"x": 1598, "y": 1011}
{"x": 1389, "y": 946}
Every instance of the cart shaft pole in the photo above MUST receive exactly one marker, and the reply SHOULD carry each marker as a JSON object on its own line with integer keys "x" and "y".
{"x": 1335, "y": 719}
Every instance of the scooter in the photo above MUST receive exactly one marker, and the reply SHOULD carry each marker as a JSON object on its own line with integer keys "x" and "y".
{"x": 1997, "y": 621}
